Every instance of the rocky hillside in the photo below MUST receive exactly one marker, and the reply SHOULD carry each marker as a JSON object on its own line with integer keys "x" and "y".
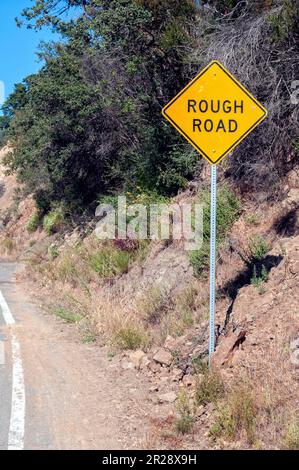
{"x": 153, "y": 315}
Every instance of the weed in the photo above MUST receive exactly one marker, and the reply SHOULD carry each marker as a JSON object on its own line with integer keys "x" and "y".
{"x": 53, "y": 252}
{"x": 291, "y": 435}
{"x": 66, "y": 268}
{"x": 237, "y": 415}
{"x": 252, "y": 219}
{"x": 209, "y": 388}
{"x": 67, "y": 315}
{"x": 284, "y": 21}
{"x": 228, "y": 210}
{"x": 258, "y": 248}
{"x": 89, "y": 338}
{"x": 53, "y": 221}
{"x": 199, "y": 259}
{"x": 185, "y": 419}
{"x": 129, "y": 336}
{"x": 110, "y": 262}
{"x": 8, "y": 244}
{"x": 34, "y": 222}
{"x": 153, "y": 303}
{"x": 258, "y": 279}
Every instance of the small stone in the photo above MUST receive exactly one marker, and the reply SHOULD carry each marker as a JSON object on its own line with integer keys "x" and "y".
{"x": 200, "y": 411}
{"x": 145, "y": 363}
{"x": 127, "y": 365}
{"x": 163, "y": 357}
{"x": 137, "y": 358}
{"x": 176, "y": 374}
{"x": 169, "y": 397}
{"x": 155, "y": 367}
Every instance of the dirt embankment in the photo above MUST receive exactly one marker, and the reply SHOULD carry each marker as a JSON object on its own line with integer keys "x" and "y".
{"x": 160, "y": 310}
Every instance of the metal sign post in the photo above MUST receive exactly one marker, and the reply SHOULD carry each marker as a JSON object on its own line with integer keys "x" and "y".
{"x": 214, "y": 112}
{"x": 213, "y": 212}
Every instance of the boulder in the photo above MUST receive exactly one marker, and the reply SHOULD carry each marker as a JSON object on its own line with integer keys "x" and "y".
{"x": 137, "y": 358}
{"x": 163, "y": 357}
{"x": 225, "y": 350}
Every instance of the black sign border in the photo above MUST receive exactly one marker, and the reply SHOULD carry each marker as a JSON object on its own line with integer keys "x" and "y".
{"x": 240, "y": 86}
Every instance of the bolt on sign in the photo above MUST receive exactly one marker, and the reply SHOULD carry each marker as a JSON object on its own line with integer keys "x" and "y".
{"x": 214, "y": 112}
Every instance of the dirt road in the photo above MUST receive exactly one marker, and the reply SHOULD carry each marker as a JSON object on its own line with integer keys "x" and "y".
{"x": 56, "y": 393}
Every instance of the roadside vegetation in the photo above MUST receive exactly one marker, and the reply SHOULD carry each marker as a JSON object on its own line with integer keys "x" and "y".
{"x": 87, "y": 128}
{"x": 228, "y": 211}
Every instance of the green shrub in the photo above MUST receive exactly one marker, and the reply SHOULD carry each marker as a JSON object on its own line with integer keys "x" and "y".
{"x": 110, "y": 262}
{"x": 53, "y": 221}
{"x": 258, "y": 279}
{"x": 129, "y": 336}
{"x": 258, "y": 247}
{"x": 67, "y": 315}
{"x": 34, "y": 222}
{"x": 228, "y": 210}
{"x": 199, "y": 259}
{"x": 284, "y": 21}
{"x": 252, "y": 219}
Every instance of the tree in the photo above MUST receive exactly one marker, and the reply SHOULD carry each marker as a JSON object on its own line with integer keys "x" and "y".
{"x": 91, "y": 121}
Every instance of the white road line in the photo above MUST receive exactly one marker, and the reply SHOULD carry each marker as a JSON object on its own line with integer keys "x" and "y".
{"x": 17, "y": 417}
{"x": 8, "y": 318}
{"x": 2, "y": 354}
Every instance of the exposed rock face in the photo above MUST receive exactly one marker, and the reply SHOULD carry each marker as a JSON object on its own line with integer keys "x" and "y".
{"x": 270, "y": 316}
{"x": 225, "y": 351}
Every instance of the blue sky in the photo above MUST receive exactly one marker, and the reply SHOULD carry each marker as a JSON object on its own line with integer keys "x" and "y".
{"x": 17, "y": 46}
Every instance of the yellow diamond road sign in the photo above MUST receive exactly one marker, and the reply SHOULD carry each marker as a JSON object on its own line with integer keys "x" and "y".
{"x": 214, "y": 112}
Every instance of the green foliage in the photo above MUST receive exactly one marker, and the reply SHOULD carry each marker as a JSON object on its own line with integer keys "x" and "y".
{"x": 199, "y": 259}
{"x": 77, "y": 135}
{"x": 67, "y": 315}
{"x": 258, "y": 279}
{"x": 252, "y": 219}
{"x": 53, "y": 221}
{"x": 285, "y": 20}
{"x": 34, "y": 222}
{"x": 110, "y": 262}
{"x": 228, "y": 210}
{"x": 258, "y": 248}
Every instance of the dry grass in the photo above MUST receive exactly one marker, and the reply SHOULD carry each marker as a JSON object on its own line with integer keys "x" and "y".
{"x": 8, "y": 245}
{"x": 209, "y": 388}
{"x": 237, "y": 415}
{"x": 185, "y": 413}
